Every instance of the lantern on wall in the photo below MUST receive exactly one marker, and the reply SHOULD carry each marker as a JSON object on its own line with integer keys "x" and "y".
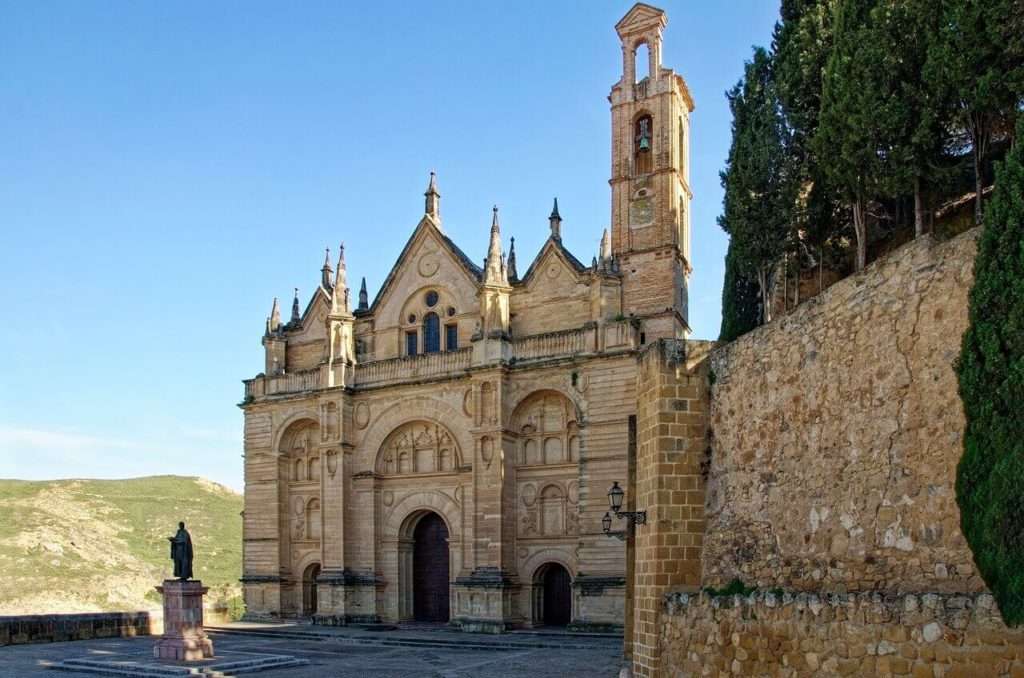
{"x": 615, "y": 496}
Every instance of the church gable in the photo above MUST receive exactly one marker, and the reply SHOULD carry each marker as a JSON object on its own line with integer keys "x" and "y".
{"x": 310, "y": 325}
{"x": 307, "y": 336}
{"x": 429, "y": 261}
{"x": 553, "y": 294}
{"x": 553, "y": 262}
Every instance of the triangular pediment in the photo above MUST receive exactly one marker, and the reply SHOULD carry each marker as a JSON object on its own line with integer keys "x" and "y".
{"x": 311, "y": 322}
{"x": 553, "y": 261}
{"x": 427, "y": 256}
{"x": 641, "y": 17}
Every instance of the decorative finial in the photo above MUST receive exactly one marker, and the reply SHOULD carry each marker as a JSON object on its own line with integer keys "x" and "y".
{"x": 606, "y": 253}
{"x": 494, "y": 267}
{"x": 512, "y": 274}
{"x": 296, "y": 316}
{"x": 275, "y": 316}
{"x": 433, "y": 202}
{"x": 363, "y": 299}
{"x": 325, "y": 272}
{"x": 339, "y": 279}
{"x": 555, "y": 221}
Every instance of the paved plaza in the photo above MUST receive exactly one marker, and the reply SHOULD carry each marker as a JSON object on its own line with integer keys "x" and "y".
{"x": 352, "y": 652}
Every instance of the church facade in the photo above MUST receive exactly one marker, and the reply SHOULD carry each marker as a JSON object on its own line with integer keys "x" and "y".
{"x": 445, "y": 451}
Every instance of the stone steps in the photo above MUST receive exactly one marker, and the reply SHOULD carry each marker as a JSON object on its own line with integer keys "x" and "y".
{"x": 548, "y": 640}
{"x": 232, "y": 663}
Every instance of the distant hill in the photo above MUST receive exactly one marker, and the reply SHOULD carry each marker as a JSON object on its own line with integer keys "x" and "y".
{"x": 101, "y": 545}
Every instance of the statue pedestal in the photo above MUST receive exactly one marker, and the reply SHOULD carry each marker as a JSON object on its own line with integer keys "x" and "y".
{"x": 184, "y": 638}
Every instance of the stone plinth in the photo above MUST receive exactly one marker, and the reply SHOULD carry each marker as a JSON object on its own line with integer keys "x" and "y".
{"x": 184, "y": 638}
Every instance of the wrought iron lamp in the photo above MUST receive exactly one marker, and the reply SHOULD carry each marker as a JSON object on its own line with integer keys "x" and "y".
{"x": 615, "y": 497}
{"x": 606, "y": 523}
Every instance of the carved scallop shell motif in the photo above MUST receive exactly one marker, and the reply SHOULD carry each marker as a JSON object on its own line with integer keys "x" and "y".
{"x": 529, "y": 494}
{"x": 362, "y": 415}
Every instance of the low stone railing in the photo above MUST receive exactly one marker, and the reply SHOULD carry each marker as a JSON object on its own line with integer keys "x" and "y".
{"x": 55, "y": 628}
{"x": 413, "y": 367}
{"x": 49, "y": 628}
{"x": 295, "y": 382}
{"x": 552, "y": 344}
{"x": 588, "y": 340}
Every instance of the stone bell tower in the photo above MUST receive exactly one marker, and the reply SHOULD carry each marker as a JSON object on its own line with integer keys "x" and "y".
{"x": 651, "y": 108}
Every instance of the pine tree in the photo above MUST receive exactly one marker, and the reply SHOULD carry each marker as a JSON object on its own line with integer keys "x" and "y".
{"x": 977, "y": 62}
{"x": 759, "y": 194}
{"x": 740, "y": 300}
{"x": 989, "y": 488}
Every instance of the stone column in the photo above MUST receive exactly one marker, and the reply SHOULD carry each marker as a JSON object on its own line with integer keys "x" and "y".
{"x": 183, "y": 638}
{"x": 485, "y": 600}
{"x": 672, "y": 435}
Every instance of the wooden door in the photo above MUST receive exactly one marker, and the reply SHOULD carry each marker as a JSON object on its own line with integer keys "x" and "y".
{"x": 557, "y": 596}
{"x": 430, "y": 567}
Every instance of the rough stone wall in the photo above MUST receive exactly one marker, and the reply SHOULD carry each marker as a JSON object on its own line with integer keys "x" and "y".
{"x": 940, "y": 636}
{"x": 836, "y": 434}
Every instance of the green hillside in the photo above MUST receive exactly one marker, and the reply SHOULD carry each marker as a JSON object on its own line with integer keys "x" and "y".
{"x": 101, "y": 545}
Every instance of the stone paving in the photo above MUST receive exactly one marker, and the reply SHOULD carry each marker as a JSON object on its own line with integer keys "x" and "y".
{"x": 421, "y": 653}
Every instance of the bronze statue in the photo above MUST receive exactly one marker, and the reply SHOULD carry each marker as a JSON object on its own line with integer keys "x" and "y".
{"x": 181, "y": 553}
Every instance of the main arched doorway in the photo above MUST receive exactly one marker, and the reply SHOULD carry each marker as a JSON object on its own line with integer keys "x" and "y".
{"x": 430, "y": 567}
{"x": 553, "y": 587}
{"x": 309, "y": 589}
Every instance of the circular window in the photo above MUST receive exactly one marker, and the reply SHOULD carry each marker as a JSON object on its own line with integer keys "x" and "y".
{"x": 431, "y": 298}
{"x": 451, "y": 311}
{"x": 412, "y": 317}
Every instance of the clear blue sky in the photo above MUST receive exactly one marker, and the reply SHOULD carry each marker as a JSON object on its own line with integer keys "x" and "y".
{"x": 168, "y": 168}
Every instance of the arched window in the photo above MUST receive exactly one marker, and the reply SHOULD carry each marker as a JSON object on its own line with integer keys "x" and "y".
{"x": 431, "y": 333}
{"x": 643, "y": 145}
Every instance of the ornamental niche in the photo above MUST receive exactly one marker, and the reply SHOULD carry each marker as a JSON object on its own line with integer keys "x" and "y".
{"x": 548, "y": 431}
{"x": 418, "y": 447}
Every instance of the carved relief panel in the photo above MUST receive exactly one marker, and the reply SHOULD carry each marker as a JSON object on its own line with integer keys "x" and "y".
{"x": 418, "y": 447}
{"x": 551, "y": 511}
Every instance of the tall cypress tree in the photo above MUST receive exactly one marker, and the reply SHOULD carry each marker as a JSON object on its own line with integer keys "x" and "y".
{"x": 759, "y": 193}
{"x": 989, "y": 486}
{"x": 915, "y": 134}
{"x": 801, "y": 46}
{"x": 859, "y": 112}
{"x": 741, "y": 300}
